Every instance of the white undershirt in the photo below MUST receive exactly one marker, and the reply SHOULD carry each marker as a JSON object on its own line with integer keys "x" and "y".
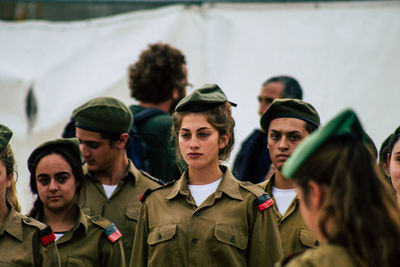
{"x": 283, "y": 198}
{"x": 109, "y": 189}
{"x": 201, "y": 192}
{"x": 58, "y": 235}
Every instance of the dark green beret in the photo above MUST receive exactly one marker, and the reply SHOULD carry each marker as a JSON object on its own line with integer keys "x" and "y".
{"x": 289, "y": 108}
{"x": 103, "y": 114}
{"x": 345, "y": 123}
{"x": 5, "y": 136}
{"x": 206, "y": 97}
{"x": 69, "y": 144}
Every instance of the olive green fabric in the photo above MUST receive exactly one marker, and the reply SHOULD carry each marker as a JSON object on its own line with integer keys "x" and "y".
{"x": 123, "y": 207}
{"x": 105, "y": 115}
{"x": 324, "y": 256}
{"x": 86, "y": 244}
{"x": 5, "y": 136}
{"x": 289, "y": 108}
{"x": 20, "y": 243}
{"x": 206, "y": 97}
{"x": 227, "y": 229}
{"x": 345, "y": 123}
{"x": 70, "y": 144}
{"x": 295, "y": 235}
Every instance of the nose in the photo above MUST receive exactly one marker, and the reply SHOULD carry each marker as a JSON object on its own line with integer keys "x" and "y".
{"x": 283, "y": 144}
{"x": 53, "y": 186}
{"x": 194, "y": 143}
{"x": 85, "y": 150}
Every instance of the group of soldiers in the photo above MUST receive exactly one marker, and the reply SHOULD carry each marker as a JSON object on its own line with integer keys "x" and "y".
{"x": 95, "y": 208}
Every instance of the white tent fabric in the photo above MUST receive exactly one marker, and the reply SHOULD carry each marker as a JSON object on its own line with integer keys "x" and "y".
{"x": 343, "y": 54}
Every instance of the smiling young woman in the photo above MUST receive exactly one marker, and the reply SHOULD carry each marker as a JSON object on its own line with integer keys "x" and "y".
{"x": 207, "y": 217}
{"x": 57, "y": 179}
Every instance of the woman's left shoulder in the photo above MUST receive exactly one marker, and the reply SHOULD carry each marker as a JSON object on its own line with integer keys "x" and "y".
{"x": 104, "y": 226}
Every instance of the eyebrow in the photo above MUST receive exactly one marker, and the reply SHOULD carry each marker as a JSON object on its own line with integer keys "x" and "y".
{"x": 57, "y": 174}
{"x": 291, "y": 132}
{"x": 200, "y": 129}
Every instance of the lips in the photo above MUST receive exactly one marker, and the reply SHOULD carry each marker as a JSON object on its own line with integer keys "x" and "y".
{"x": 282, "y": 156}
{"x": 194, "y": 155}
{"x": 54, "y": 197}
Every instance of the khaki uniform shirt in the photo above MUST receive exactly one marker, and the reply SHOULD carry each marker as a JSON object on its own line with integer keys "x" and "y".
{"x": 87, "y": 244}
{"x": 20, "y": 242}
{"x": 227, "y": 229}
{"x": 123, "y": 207}
{"x": 295, "y": 235}
{"x": 323, "y": 256}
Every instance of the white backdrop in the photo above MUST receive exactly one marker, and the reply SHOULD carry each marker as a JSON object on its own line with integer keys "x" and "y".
{"x": 343, "y": 54}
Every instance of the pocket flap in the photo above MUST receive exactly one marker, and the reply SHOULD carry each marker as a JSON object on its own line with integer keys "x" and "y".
{"x": 161, "y": 233}
{"x": 132, "y": 211}
{"x": 232, "y": 236}
{"x": 308, "y": 239}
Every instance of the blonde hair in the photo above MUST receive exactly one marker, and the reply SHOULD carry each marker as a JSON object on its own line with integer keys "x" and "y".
{"x": 7, "y": 157}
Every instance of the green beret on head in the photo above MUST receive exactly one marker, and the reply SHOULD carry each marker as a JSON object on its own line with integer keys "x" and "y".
{"x": 103, "y": 114}
{"x": 68, "y": 144}
{"x": 289, "y": 108}
{"x": 5, "y": 136}
{"x": 345, "y": 123}
{"x": 206, "y": 97}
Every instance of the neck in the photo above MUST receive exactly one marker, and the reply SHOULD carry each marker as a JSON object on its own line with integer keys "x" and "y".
{"x": 165, "y": 106}
{"x": 3, "y": 211}
{"x": 204, "y": 175}
{"x": 115, "y": 173}
{"x": 61, "y": 221}
{"x": 281, "y": 182}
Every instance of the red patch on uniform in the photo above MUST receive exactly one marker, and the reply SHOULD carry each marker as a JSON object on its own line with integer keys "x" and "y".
{"x": 48, "y": 239}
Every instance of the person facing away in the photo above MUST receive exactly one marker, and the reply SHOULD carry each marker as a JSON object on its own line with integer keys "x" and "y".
{"x": 112, "y": 183}
{"x": 288, "y": 122}
{"x": 158, "y": 81}
{"x": 24, "y": 241}
{"x": 253, "y": 162}
{"x": 393, "y": 162}
{"x": 344, "y": 198}
{"x": 56, "y": 177}
{"x": 207, "y": 217}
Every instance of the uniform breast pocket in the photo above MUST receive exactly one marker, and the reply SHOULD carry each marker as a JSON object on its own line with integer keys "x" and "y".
{"x": 307, "y": 238}
{"x": 230, "y": 235}
{"x": 132, "y": 211}
{"x": 82, "y": 262}
{"x": 161, "y": 234}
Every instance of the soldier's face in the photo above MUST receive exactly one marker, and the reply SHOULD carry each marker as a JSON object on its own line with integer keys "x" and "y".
{"x": 268, "y": 93}
{"x": 284, "y": 135}
{"x": 394, "y": 166}
{"x": 55, "y": 183}
{"x": 199, "y": 141}
{"x": 99, "y": 155}
{"x": 5, "y": 181}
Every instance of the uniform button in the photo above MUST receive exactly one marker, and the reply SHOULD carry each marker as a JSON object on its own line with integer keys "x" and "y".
{"x": 94, "y": 218}
{"x": 108, "y": 200}
{"x": 316, "y": 243}
{"x": 244, "y": 183}
{"x": 233, "y": 239}
{"x": 194, "y": 240}
{"x": 196, "y": 213}
{"x": 159, "y": 236}
{"x": 27, "y": 220}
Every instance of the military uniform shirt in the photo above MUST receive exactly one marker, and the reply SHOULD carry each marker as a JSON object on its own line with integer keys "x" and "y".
{"x": 227, "y": 229}
{"x": 123, "y": 207}
{"x": 20, "y": 243}
{"x": 87, "y": 244}
{"x": 295, "y": 235}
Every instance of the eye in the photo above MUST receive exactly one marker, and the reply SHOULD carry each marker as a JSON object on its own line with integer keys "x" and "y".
{"x": 274, "y": 136}
{"x": 203, "y": 134}
{"x": 93, "y": 145}
{"x": 294, "y": 137}
{"x": 61, "y": 179}
{"x": 44, "y": 180}
{"x": 185, "y": 135}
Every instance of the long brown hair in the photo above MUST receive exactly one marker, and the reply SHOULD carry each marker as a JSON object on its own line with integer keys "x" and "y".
{"x": 7, "y": 157}
{"x": 358, "y": 200}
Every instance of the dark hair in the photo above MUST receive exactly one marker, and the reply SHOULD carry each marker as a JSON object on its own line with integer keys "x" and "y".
{"x": 113, "y": 138}
{"x": 393, "y": 140}
{"x": 367, "y": 222}
{"x": 291, "y": 87}
{"x": 157, "y": 73}
{"x": 219, "y": 117}
{"x": 77, "y": 171}
{"x": 7, "y": 157}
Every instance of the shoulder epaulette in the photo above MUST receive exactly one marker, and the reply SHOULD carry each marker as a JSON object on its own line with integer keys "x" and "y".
{"x": 263, "y": 200}
{"x": 148, "y": 175}
{"x": 112, "y": 233}
{"x": 46, "y": 236}
{"x": 149, "y": 190}
{"x": 145, "y": 194}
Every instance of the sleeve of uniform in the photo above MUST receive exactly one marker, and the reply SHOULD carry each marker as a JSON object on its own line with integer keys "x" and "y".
{"x": 265, "y": 248}
{"x": 48, "y": 249}
{"x": 140, "y": 247}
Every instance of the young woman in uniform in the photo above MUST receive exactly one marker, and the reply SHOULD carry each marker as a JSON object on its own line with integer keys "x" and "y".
{"x": 57, "y": 179}
{"x": 207, "y": 217}
{"x": 23, "y": 241}
{"x": 393, "y": 161}
{"x": 344, "y": 198}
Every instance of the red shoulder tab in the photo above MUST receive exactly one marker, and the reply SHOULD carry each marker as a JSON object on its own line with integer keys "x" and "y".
{"x": 264, "y": 201}
{"x": 112, "y": 233}
{"x": 145, "y": 194}
{"x": 46, "y": 236}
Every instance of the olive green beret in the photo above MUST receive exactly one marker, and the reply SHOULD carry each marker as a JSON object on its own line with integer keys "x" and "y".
{"x": 345, "y": 123}
{"x": 104, "y": 114}
{"x": 289, "y": 108}
{"x": 206, "y": 97}
{"x": 5, "y": 136}
{"x": 69, "y": 144}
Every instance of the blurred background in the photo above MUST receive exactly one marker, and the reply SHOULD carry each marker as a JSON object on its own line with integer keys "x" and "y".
{"x": 57, "y": 54}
